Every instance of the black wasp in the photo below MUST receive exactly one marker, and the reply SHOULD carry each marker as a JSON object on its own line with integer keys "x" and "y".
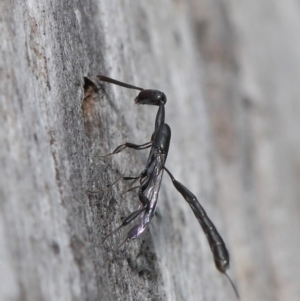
{"x": 151, "y": 177}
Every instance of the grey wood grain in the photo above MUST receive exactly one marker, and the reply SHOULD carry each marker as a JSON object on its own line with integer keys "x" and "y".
{"x": 232, "y": 108}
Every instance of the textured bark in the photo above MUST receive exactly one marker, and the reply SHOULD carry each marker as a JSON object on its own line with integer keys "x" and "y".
{"x": 232, "y": 88}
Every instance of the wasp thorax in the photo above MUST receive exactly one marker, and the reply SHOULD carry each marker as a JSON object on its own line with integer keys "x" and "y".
{"x": 151, "y": 97}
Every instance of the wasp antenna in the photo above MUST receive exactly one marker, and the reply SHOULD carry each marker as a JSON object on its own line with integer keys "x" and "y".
{"x": 116, "y": 82}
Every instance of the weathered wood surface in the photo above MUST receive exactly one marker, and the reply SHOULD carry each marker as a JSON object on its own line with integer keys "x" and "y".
{"x": 252, "y": 62}
{"x": 230, "y": 70}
